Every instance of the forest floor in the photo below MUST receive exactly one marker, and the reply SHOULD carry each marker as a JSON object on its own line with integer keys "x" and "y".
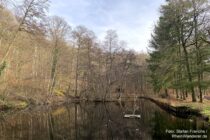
{"x": 204, "y": 107}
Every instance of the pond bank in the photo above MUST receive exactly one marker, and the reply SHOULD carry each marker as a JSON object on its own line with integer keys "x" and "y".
{"x": 23, "y": 103}
{"x": 179, "y": 111}
{"x": 20, "y": 103}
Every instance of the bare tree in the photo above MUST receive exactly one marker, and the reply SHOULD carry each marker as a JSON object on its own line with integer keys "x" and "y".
{"x": 111, "y": 46}
{"x": 58, "y": 31}
{"x": 81, "y": 38}
{"x": 30, "y": 16}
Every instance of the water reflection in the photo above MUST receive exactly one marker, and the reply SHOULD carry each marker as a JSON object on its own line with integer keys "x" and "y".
{"x": 90, "y": 121}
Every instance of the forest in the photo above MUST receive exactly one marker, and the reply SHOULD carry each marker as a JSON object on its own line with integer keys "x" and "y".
{"x": 59, "y": 80}
{"x": 179, "y": 58}
{"x": 44, "y": 59}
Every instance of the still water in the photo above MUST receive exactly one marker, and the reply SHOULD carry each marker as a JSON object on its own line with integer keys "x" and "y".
{"x": 94, "y": 121}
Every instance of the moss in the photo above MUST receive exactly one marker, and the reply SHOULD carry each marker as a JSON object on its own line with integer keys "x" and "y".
{"x": 16, "y": 104}
{"x": 5, "y": 105}
{"x": 58, "y": 92}
{"x": 204, "y": 108}
{"x": 21, "y": 105}
{"x": 206, "y": 111}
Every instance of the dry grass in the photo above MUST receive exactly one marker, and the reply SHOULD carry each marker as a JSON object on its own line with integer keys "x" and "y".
{"x": 203, "y": 107}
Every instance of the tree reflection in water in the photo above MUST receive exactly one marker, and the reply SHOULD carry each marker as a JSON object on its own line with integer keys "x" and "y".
{"x": 93, "y": 121}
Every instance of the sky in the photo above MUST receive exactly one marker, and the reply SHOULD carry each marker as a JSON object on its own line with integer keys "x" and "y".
{"x": 133, "y": 20}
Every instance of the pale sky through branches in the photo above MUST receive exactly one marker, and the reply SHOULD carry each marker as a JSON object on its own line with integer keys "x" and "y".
{"x": 133, "y": 19}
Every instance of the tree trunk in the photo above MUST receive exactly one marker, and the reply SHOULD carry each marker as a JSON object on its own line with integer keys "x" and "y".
{"x": 189, "y": 73}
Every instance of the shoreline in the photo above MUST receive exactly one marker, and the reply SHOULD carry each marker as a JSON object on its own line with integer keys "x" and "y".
{"x": 182, "y": 111}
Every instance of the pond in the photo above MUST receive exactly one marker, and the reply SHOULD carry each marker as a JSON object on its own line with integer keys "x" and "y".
{"x": 95, "y": 121}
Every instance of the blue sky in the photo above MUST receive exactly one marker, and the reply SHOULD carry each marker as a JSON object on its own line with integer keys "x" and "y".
{"x": 132, "y": 19}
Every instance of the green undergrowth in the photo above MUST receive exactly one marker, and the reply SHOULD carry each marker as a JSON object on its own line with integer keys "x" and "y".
{"x": 58, "y": 92}
{"x": 206, "y": 111}
{"x": 5, "y": 105}
{"x": 204, "y": 108}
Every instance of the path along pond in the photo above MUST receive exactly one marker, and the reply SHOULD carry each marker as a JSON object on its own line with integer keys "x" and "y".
{"x": 95, "y": 121}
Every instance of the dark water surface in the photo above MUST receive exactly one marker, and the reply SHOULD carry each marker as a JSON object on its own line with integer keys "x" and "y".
{"x": 91, "y": 121}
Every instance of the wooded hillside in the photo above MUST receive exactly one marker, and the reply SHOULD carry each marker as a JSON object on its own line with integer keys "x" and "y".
{"x": 42, "y": 56}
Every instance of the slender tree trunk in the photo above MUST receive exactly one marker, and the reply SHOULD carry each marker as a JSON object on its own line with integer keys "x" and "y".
{"x": 189, "y": 73}
{"x": 77, "y": 71}
{"x": 53, "y": 68}
{"x": 166, "y": 91}
{"x": 186, "y": 94}
{"x": 198, "y": 57}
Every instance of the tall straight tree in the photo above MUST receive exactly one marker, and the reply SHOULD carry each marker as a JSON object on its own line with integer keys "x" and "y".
{"x": 111, "y": 46}
{"x": 80, "y": 38}
{"x": 200, "y": 10}
{"x": 58, "y": 31}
